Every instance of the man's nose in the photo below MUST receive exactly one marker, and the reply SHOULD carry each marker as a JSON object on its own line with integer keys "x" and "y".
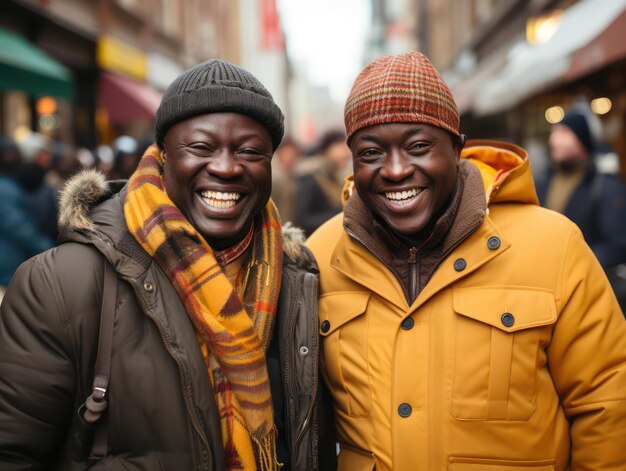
{"x": 224, "y": 164}
{"x": 396, "y": 166}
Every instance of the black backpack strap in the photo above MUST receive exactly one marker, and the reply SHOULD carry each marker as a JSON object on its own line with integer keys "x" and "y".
{"x": 96, "y": 403}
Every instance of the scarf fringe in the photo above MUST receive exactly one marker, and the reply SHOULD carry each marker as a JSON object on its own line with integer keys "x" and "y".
{"x": 265, "y": 450}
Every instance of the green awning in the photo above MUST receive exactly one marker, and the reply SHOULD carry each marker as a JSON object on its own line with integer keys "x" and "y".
{"x": 27, "y": 68}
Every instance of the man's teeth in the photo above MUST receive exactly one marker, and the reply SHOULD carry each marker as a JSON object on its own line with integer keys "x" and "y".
{"x": 218, "y": 195}
{"x": 402, "y": 195}
{"x": 220, "y": 200}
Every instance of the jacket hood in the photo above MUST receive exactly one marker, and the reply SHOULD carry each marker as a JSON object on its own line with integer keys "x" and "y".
{"x": 89, "y": 188}
{"x": 80, "y": 194}
{"x": 504, "y": 168}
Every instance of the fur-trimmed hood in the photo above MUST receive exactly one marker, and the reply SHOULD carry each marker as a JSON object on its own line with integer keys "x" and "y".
{"x": 81, "y": 193}
{"x": 89, "y": 188}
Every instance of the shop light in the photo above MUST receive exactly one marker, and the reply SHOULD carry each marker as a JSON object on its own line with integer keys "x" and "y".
{"x": 49, "y": 122}
{"x": 601, "y": 105}
{"x": 46, "y": 105}
{"x": 21, "y": 133}
{"x": 540, "y": 29}
{"x": 554, "y": 114}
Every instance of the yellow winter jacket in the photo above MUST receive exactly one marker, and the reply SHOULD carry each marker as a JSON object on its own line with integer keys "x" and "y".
{"x": 513, "y": 360}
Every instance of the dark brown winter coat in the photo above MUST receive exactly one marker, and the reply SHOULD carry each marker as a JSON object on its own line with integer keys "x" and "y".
{"x": 161, "y": 414}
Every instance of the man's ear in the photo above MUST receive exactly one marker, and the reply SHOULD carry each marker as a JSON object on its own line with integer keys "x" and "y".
{"x": 459, "y": 143}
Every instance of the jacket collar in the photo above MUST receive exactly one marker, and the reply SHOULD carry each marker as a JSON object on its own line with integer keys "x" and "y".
{"x": 357, "y": 263}
{"x": 463, "y": 215}
{"x": 365, "y": 227}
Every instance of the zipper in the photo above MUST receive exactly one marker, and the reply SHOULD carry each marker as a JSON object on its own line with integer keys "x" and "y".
{"x": 307, "y": 283}
{"x": 413, "y": 274}
{"x": 187, "y": 395}
{"x": 287, "y": 358}
{"x": 310, "y": 279}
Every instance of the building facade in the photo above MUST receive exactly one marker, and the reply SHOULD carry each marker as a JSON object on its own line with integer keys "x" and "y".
{"x": 115, "y": 58}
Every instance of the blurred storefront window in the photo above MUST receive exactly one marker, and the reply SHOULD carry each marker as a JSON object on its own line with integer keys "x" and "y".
{"x": 15, "y": 112}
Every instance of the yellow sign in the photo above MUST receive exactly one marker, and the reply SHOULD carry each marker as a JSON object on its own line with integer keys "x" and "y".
{"x": 117, "y": 56}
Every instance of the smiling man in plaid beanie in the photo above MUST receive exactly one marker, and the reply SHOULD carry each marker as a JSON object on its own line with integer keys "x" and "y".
{"x": 458, "y": 319}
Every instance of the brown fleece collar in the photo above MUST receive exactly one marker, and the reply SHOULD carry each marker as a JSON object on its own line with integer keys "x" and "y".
{"x": 463, "y": 215}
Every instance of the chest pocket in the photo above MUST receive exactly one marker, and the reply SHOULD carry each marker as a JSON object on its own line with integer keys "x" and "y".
{"x": 501, "y": 335}
{"x": 344, "y": 329}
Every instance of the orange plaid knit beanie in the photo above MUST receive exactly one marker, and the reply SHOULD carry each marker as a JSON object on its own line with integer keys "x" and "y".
{"x": 405, "y": 88}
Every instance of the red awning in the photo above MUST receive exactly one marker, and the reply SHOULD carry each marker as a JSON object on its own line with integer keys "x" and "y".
{"x": 589, "y": 36}
{"x": 126, "y": 100}
{"x": 606, "y": 48}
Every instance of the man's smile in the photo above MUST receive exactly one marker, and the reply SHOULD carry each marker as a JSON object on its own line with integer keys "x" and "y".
{"x": 403, "y": 197}
{"x": 220, "y": 200}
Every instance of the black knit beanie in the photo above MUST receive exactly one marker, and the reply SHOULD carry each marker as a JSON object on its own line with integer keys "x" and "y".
{"x": 578, "y": 124}
{"x": 217, "y": 86}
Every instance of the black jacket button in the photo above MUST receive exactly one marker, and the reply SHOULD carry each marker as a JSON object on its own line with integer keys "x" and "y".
{"x": 405, "y": 410}
{"x": 408, "y": 323}
{"x": 460, "y": 264}
{"x": 507, "y": 319}
{"x": 325, "y": 326}
{"x": 493, "y": 243}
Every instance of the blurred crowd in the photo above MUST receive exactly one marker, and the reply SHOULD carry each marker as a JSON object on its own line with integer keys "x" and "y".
{"x": 307, "y": 184}
{"x": 33, "y": 170}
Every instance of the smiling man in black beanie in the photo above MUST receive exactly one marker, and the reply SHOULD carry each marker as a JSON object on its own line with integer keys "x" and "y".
{"x": 595, "y": 202}
{"x": 214, "y": 347}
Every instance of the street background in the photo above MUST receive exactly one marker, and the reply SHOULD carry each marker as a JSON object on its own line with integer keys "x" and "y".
{"x": 87, "y": 71}
{"x": 81, "y": 80}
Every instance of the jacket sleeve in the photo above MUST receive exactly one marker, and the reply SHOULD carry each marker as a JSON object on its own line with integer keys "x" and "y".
{"x": 610, "y": 248}
{"x": 587, "y": 361}
{"x": 37, "y": 377}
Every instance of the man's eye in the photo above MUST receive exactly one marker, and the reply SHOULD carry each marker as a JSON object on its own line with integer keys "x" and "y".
{"x": 369, "y": 153}
{"x": 418, "y": 146}
{"x": 199, "y": 146}
{"x": 251, "y": 152}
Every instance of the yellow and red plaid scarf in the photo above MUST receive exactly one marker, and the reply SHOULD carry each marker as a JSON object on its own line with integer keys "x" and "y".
{"x": 235, "y": 332}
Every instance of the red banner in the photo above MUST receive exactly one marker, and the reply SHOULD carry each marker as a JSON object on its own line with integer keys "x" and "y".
{"x": 271, "y": 33}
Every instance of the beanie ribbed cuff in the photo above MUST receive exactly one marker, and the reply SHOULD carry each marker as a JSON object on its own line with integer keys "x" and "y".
{"x": 217, "y": 86}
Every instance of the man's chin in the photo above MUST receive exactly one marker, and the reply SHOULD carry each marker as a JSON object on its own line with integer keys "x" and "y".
{"x": 569, "y": 166}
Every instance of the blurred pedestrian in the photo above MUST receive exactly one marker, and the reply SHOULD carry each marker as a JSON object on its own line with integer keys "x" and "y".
{"x": 65, "y": 164}
{"x": 320, "y": 180}
{"x": 283, "y": 177}
{"x": 125, "y": 158}
{"x": 105, "y": 157}
{"x": 38, "y": 158}
{"x": 596, "y": 202}
{"x": 20, "y": 238}
{"x": 207, "y": 370}
{"x": 463, "y": 326}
